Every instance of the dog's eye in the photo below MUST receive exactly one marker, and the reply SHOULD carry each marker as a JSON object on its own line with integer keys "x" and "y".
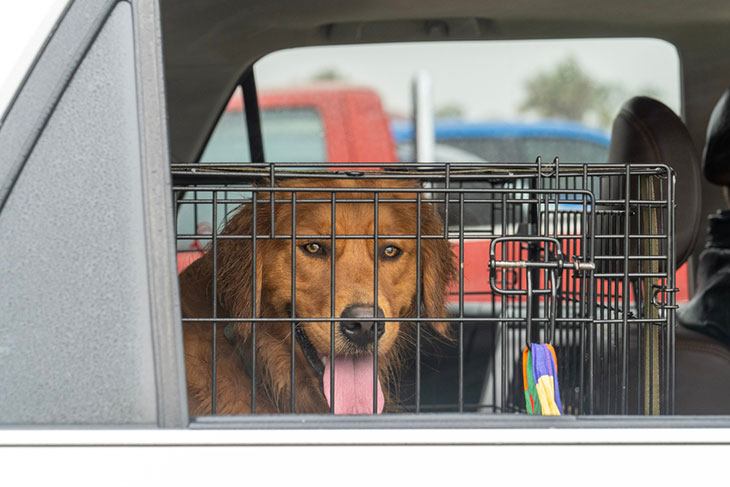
{"x": 391, "y": 252}
{"x": 313, "y": 248}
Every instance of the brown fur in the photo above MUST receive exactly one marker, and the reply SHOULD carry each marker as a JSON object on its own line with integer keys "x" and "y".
{"x": 272, "y": 295}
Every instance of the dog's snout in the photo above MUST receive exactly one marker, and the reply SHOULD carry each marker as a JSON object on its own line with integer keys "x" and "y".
{"x": 361, "y": 330}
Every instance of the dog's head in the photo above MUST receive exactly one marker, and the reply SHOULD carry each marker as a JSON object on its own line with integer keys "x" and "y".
{"x": 329, "y": 284}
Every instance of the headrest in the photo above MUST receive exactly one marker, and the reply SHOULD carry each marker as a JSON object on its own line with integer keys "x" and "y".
{"x": 716, "y": 165}
{"x": 647, "y": 131}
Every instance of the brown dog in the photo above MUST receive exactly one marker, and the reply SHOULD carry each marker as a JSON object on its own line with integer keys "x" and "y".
{"x": 272, "y": 296}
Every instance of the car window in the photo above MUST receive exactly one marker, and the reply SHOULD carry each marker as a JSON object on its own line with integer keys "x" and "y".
{"x": 293, "y": 135}
{"x": 229, "y": 140}
{"x": 550, "y": 97}
{"x": 290, "y": 134}
{"x": 355, "y": 103}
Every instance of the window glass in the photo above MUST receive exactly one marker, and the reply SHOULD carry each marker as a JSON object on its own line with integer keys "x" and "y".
{"x": 293, "y": 135}
{"x": 492, "y": 101}
{"x": 498, "y": 100}
{"x": 290, "y": 133}
{"x": 229, "y": 141}
{"x": 511, "y": 100}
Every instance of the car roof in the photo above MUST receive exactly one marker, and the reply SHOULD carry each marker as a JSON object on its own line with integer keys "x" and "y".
{"x": 551, "y": 129}
{"x": 285, "y": 96}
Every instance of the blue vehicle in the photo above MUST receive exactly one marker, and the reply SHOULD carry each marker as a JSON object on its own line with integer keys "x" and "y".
{"x": 509, "y": 141}
{"x": 464, "y": 141}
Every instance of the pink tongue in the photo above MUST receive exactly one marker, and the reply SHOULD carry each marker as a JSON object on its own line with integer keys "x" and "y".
{"x": 353, "y": 385}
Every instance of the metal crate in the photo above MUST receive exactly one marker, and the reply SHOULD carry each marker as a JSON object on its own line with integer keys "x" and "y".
{"x": 580, "y": 255}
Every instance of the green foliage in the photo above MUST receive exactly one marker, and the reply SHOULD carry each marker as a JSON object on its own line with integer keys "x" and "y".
{"x": 567, "y": 91}
{"x": 449, "y": 110}
{"x": 329, "y": 74}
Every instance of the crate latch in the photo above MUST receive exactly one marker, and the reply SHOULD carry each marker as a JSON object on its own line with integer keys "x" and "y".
{"x": 545, "y": 255}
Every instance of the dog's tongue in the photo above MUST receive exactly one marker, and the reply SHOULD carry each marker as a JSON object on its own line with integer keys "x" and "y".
{"x": 353, "y": 385}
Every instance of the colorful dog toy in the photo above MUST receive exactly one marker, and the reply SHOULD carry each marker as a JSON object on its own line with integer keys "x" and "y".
{"x": 540, "y": 380}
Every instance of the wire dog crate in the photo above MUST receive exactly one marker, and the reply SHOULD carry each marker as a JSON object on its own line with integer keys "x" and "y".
{"x": 578, "y": 255}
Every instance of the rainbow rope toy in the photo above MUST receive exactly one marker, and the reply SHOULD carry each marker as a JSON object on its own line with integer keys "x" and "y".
{"x": 540, "y": 380}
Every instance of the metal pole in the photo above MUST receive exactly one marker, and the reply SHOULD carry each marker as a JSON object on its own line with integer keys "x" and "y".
{"x": 423, "y": 124}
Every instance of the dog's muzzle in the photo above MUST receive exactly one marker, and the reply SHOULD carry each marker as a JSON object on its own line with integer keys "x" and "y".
{"x": 361, "y": 331}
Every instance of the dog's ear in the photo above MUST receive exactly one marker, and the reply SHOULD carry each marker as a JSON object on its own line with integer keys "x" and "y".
{"x": 437, "y": 269}
{"x": 237, "y": 289}
{"x": 195, "y": 289}
{"x": 234, "y": 284}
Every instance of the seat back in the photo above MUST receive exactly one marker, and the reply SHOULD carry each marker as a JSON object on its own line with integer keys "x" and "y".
{"x": 647, "y": 131}
{"x": 703, "y": 336}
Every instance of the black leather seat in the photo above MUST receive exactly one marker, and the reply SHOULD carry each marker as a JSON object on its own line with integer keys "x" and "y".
{"x": 702, "y": 374}
{"x": 703, "y": 337}
{"x": 648, "y": 131}
{"x": 716, "y": 163}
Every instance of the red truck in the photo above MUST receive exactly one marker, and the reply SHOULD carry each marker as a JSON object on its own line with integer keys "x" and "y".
{"x": 332, "y": 123}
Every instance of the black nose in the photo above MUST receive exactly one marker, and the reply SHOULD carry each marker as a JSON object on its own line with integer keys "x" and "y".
{"x": 361, "y": 331}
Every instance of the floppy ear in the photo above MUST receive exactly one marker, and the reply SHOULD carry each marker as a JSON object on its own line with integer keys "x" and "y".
{"x": 234, "y": 268}
{"x": 437, "y": 269}
{"x": 195, "y": 289}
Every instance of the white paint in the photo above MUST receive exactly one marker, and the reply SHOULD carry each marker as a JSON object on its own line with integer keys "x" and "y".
{"x": 362, "y": 437}
{"x": 594, "y": 457}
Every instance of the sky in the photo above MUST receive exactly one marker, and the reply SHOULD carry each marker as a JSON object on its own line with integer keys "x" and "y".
{"x": 485, "y": 78}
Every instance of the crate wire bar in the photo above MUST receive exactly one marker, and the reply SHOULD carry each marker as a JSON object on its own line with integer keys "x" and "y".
{"x": 581, "y": 255}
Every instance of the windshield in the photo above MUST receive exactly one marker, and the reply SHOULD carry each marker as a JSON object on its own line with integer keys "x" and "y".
{"x": 289, "y": 134}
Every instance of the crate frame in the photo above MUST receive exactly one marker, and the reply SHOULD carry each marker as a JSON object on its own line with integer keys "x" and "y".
{"x": 227, "y": 177}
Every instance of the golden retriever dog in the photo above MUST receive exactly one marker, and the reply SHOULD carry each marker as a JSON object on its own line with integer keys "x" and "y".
{"x": 262, "y": 287}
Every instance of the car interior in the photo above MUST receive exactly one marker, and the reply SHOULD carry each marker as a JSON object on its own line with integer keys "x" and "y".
{"x": 210, "y": 47}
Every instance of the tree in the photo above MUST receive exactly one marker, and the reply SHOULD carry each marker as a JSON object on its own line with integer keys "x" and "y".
{"x": 329, "y": 74}
{"x": 568, "y": 92}
{"x": 449, "y": 110}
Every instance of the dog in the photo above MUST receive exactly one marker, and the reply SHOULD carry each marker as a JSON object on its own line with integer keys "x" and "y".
{"x": 262, "y": 287}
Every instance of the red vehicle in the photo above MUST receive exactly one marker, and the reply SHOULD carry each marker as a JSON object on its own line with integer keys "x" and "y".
{"x": 317, "y": 124}
{"x": 343, "y": 112}
{"x": 308, "y": 125}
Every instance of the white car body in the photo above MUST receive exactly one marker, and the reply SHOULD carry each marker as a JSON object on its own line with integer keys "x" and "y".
{"x": 586, "y": 451}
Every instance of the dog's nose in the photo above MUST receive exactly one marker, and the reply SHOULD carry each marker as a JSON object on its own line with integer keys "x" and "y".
{"x": 361, "y": 331}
